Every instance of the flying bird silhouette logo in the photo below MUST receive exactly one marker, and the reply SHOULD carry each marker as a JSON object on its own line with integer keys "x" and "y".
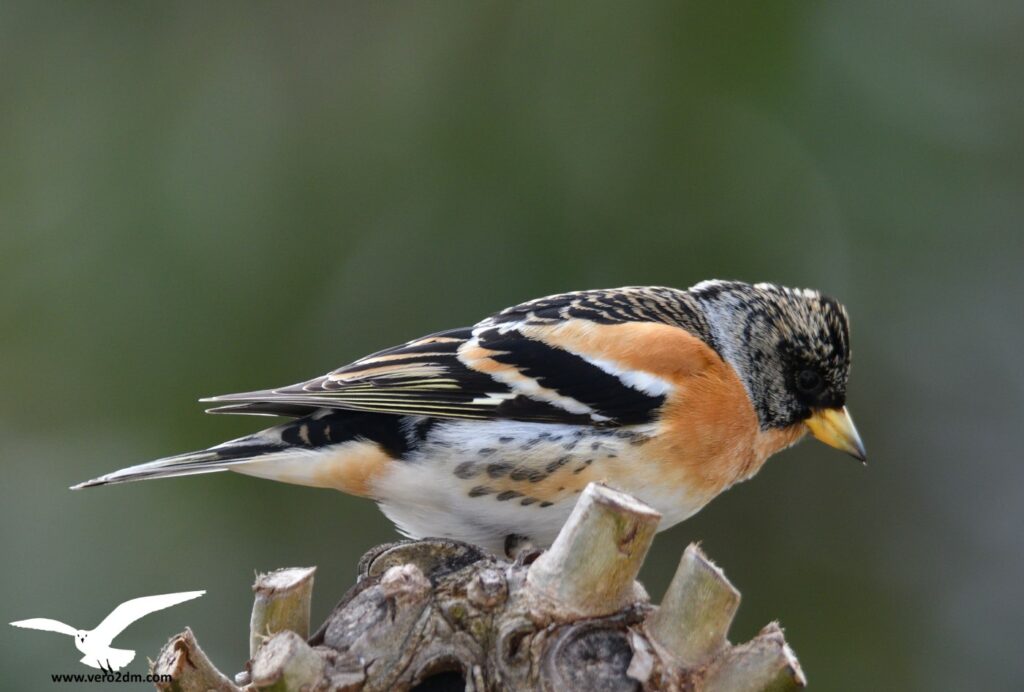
{"x": 95, "y": 643}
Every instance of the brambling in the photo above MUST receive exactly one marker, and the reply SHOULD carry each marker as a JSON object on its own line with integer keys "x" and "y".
{"x": 487, "y": 434}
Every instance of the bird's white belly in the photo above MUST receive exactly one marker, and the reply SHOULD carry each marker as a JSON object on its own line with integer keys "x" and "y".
{"x": 481, "y": 481}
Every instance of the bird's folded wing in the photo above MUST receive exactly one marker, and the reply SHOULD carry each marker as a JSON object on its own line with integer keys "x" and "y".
{"x": 130, "y": 611}
{"x": 521, "y": 366}
{"x": 46, "y": 624}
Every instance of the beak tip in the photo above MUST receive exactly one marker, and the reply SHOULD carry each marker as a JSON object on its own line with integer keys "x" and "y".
{"x": 835, "y": 428}
{"x": 859, "y": 453}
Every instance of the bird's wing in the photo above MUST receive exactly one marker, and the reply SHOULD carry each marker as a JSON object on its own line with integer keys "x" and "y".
{"x": 130, "y": 611}
{"x": 571, "y": 358}
{"x": 46, "y": 624}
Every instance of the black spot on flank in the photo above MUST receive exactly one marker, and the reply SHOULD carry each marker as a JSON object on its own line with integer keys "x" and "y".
{"x": 487, "y": 451}
{"x": 569, "y": 446}
{"x": 588, "y": 462}
{"x": 579, "y": 469}
{"x": 531, "y": 444}
{"x": 506, "y": 439}
{"x": 595, "y": 445}
{"x": 466, "y": 469}
{"x": 557, "y": 464}
{"x": 480, "y": 491}
{"x": 537, "y": 476}
{"x": 527, "y": 501}
{"x": 508, "y": 495}
{"x": 545, "y": 504}
{"x": 561, "y": 488}
{"x": 498, "y": 470}
{"x": 613, "y": 456}
{"x": 520, "y": 473}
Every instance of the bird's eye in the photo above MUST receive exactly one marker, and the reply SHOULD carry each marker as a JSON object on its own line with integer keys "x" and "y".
{"x": 808, "y": 382}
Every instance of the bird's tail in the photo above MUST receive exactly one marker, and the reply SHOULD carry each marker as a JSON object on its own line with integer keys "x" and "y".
{"x": 325, "y": 449}
{"x": 220, "y": 458}
{"x": 109, "y": 659}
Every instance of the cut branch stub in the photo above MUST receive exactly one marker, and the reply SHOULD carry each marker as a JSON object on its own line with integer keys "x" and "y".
{"x": 591, "y": 567}
{"x": 286, "y": 662}
{"x": 189, "y": 668}
{"x": 764, "y": 664}
{"x": 282, "y": 603}
{"x": 693, "y": 619}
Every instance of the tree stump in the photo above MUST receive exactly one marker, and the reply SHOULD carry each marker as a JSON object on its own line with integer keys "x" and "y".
{"x": 436, "y": 614}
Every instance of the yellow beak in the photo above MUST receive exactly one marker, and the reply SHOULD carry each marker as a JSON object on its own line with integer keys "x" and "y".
{"x": 834, "y": 427}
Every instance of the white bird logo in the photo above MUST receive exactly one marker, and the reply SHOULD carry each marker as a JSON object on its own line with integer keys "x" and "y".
{"x": 95, "y": 643}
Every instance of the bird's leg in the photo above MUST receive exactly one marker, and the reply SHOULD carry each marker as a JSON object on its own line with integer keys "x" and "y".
{"x": 521, "y": 549}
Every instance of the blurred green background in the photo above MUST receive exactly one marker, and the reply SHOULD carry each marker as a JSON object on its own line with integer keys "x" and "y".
{"x": 208, "y": 198}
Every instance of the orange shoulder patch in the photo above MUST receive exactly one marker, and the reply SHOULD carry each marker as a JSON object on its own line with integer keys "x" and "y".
{"x": 658, "y": 349}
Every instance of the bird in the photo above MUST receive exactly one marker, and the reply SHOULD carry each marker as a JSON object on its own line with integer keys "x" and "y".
{"x": 488, "y": 434}
{"x": 95, "y": 643}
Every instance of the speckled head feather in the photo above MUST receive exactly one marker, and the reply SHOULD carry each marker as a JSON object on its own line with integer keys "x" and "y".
{"x": 790, "y": 346}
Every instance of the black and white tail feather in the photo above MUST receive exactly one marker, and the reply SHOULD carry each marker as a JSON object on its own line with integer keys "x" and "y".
{"x": 262, "y": 446}
{"x": 311, "y": 432}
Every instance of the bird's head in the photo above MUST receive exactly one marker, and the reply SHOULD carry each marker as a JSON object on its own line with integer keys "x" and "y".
{"x": 791, "y": 349}
{"x": 81, "y": 636}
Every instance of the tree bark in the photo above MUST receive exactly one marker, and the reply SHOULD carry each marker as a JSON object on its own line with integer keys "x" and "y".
{"x": 442, "y": 615}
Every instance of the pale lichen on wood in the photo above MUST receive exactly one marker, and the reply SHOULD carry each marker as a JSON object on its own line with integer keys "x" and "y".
{"x": 441, "y": 615}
